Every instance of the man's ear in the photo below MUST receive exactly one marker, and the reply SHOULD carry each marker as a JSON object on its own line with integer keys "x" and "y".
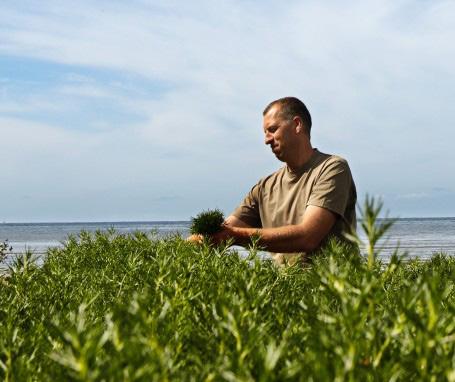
{"x": 299, "y": 128}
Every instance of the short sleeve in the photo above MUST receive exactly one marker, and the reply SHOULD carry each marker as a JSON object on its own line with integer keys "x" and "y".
{"x": 332, "y": 187}
{"x": 248, "y": 210}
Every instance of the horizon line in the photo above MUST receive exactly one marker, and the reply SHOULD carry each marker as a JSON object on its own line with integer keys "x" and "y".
{"x": 189, "y": 221}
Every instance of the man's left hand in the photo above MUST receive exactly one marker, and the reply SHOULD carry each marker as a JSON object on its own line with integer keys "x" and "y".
{"x": 222, "y": 236}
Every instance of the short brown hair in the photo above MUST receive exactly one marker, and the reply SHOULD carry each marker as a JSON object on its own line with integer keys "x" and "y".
{"x": 291, "y": 107}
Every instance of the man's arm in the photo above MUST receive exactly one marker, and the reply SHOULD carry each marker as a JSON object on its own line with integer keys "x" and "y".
{"x": 304, "y": 237}
{"x": 233, "y": 221}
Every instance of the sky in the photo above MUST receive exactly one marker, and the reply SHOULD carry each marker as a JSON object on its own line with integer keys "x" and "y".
{"x": 152, "y": 110}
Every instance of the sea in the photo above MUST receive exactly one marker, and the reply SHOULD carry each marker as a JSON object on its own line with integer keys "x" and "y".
{"x": 412, "y": 237}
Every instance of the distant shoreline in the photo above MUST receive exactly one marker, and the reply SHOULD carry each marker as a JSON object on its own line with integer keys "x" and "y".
{"x": 101, "y": 222}
{"x": 419, "y": 237}
{"x": 187, "y": 221}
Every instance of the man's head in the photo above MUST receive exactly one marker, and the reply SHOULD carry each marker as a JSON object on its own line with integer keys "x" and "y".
{"x": 291, "y": 107}
{"x": 287, "y": 126}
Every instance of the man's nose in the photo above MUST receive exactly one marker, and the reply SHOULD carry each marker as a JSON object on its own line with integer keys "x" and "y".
{"x": 268, "y": 139}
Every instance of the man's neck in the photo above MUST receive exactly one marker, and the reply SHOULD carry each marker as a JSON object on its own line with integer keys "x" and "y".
{"x": 300, "y": 161}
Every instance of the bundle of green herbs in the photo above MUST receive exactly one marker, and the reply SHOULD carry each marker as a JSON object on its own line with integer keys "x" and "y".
{"x": 207, "y": 222}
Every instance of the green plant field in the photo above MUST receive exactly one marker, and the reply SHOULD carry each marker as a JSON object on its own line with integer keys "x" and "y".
{"x": 110, "y": 307}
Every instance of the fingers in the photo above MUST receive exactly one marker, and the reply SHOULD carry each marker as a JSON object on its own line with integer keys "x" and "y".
{"x": 196, "y": 239}
{"x": 215, "y": 239}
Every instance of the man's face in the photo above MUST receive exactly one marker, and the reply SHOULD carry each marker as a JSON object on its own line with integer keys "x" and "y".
{"x": 279, "y": 133}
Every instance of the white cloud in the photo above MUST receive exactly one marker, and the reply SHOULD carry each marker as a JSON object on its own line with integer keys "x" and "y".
{"x": 414, "y": 195}
{"x": 377, "y": 76}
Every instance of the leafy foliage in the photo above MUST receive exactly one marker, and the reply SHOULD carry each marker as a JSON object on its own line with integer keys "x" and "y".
{"x": 5, "y": 248}
{"x": 207, "y": 222}
{"x": 133, "y": 307}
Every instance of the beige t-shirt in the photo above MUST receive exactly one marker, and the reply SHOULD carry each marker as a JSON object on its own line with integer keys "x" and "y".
{"x": 281, "y": 198}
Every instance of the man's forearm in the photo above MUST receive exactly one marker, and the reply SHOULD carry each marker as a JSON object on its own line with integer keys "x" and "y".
{"x": 291, "y": 238}
{"x": 305, "y": 237}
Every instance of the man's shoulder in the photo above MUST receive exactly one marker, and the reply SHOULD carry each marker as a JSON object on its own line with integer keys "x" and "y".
{"x": 321, "y": 161}
{"x": 328, "y": 161}
{"x": 272, "y": 177}
{"x": 331, "y": 158}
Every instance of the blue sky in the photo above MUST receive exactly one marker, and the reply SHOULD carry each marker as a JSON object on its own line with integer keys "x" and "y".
{"x": 149, "y": 110}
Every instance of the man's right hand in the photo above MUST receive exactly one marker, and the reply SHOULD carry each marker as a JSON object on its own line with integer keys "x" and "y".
{"x": 195, "y": 239}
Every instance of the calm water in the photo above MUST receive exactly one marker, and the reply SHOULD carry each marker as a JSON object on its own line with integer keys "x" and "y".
{"x": 37, "y": 237}
{"x": 421, "y": 237}
{"x": 418, "y": 237}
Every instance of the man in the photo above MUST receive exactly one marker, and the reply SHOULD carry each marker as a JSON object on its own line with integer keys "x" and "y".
{"x": 303, "y": 203}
